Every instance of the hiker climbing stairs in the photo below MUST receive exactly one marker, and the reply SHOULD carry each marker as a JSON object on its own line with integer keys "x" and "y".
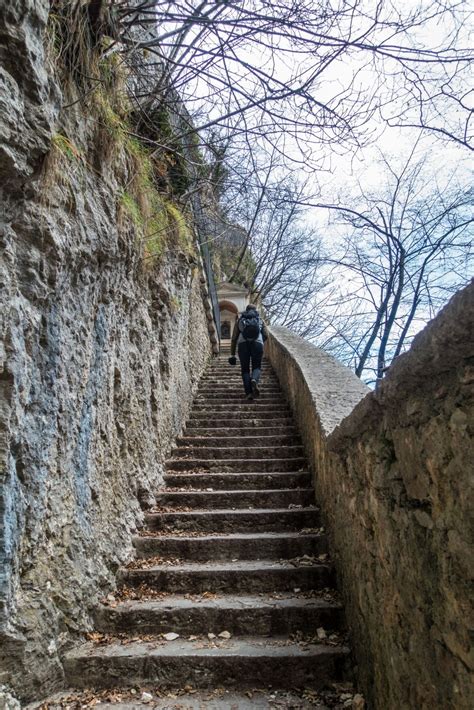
{"x": 231, "y": 586}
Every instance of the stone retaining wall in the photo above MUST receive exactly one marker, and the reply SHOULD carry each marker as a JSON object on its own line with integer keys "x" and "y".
{"x": 394, "y": 480}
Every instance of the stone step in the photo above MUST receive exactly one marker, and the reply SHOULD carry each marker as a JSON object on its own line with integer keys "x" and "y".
{"x": 220, "y": 453}
{"x": 240, "y": 399}
{"x": 243, "y": 407}
{"x": 203, "y": 699}
{"x": 231, "y": 387}
{"x": 219, "y": 387}
{"x": 235, "y": 383}
{"x": 240, "y": 615}
{"x": 235, "y": 546}
{"x": 222, "y": 521}
{"x": 234, "y": 481}
{"x": 238, "y": 465}
{"x": 237, "y": 420}
{"x": 248, "y": 441}
{"x": 243, "y": 662}
{"x": 241, "y": 577}
{"x": 241, "y": 432}
{"x": 269, "y": 498}
{"x": 248, "y": 411}
{"x": 236, "y": 388}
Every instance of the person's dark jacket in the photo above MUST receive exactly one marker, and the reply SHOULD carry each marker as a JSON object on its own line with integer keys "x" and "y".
{"x": 237, "y": 335}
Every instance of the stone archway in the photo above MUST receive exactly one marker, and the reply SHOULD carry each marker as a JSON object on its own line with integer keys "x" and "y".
{"x": 228, "y": 313}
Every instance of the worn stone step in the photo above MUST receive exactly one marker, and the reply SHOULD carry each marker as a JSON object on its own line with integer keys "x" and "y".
{"x": 211, "y": 381}
{"x": 211, "y": 387}
{"x": 230, "y": 387}
{"x": 235, "y": 546}
{"x": 217, "y": 374}
{"x": 243, "y": 406}
{"x": 225, "y": 403}
{"x": 243, "y": 576}
{"x": 239, "y": 399}
{"x": 224, "y": 366}
{"x": 238, "y": 465}
{"x": 255, "y": 426}
{"x": 250, "y": 414}
{"x": 235, "y": 388}
{"x": 241, "y": 662}
{"x": 270, "y": 498}
{"x": 248, "y": 410}
{"x": 203, "y": 699}
{"x": 247, "y": 441}
{"x": 300, "y": 479}
{"x": 235, "y": 452}
{"x": 237, "y": 420}
{"x": 210, "y": 433}
{"x": 221, "y": 521}
{"x": 240, "y": 615}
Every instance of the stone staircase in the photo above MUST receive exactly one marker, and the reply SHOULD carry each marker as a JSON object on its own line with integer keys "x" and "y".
{"x": 231, "y": 586}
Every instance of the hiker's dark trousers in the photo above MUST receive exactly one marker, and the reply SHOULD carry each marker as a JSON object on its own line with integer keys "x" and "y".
{"x": 250, "y": 353}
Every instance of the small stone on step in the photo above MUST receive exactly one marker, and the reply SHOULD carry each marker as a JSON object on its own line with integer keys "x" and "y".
{"x": 225, "y": 635}
{"x": 211, "y": 636}
{"x": 171, "y": 636}
{"x": 146, "y": 697}
{"x": 321, "y": 633}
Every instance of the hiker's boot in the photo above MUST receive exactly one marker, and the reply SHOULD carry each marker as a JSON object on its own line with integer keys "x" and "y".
{"x": 255, "y": 390}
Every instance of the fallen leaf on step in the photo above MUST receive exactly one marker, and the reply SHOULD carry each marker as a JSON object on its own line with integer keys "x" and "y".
{"x": 211, "y": 636}
{"x": 358, "y": 702}
{"x": 321, "y": 633}
{"x": 225, "y": 635}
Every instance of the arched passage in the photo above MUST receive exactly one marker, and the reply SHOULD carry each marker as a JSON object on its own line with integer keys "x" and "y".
{"x": 228, "y": 312}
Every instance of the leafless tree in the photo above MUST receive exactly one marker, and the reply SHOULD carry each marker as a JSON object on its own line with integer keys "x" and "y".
{"x": 298, "y": 74}
{"x": 278, "y": 256}
{"x": 407, "y": 246}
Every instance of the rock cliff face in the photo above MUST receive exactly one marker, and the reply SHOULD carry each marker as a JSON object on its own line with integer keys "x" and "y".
{"x": 101, "y": 350}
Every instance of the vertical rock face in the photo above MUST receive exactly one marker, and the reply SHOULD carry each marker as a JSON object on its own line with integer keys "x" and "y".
{"x": 101, "y": 350}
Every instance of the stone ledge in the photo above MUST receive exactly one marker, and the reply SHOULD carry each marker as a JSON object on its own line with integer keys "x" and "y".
{"x": 333, "y": 388}
{"x": 445, "y": 345}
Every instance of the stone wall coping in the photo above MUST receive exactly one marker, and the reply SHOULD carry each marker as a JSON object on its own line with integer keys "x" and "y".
{"x": 446, "y": 343}
{"x": 334, "y": 388}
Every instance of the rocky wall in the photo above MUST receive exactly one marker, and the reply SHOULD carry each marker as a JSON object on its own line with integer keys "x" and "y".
{"x": 394, "y": 480}
{"x": 101, "y": 352}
